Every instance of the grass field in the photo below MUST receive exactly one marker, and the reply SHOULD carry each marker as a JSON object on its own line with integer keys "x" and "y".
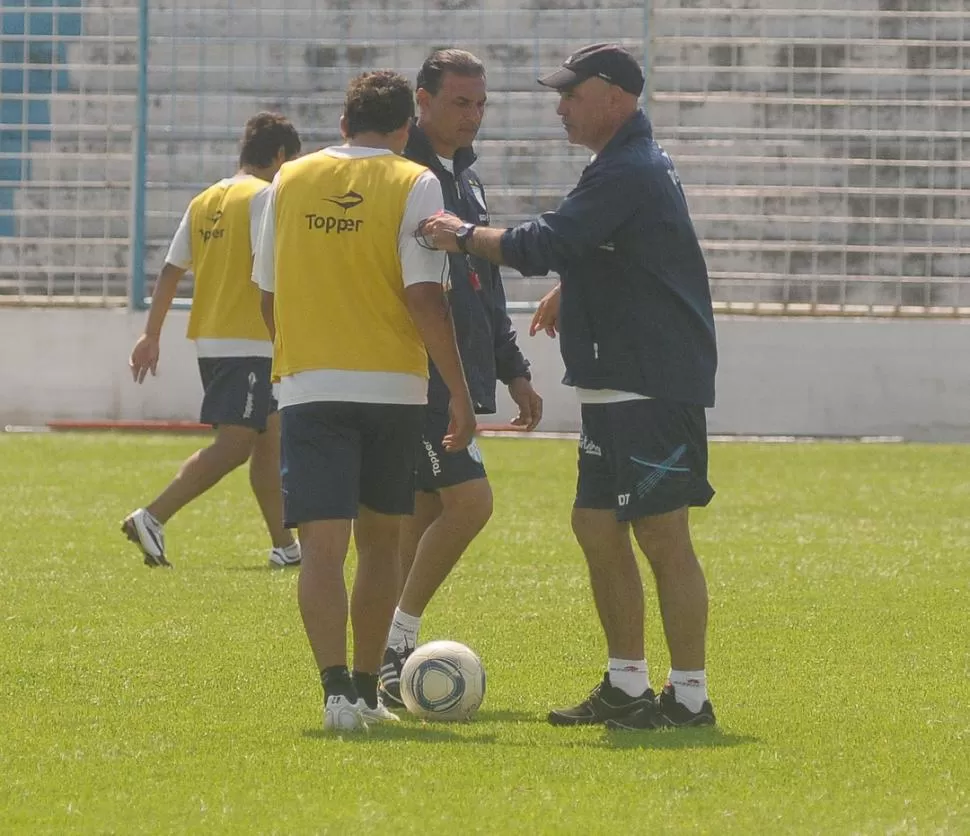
{"x": 150, "y": 701}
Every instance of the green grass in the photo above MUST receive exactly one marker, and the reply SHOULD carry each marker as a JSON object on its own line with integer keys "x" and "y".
{"x": 147, "y": 701}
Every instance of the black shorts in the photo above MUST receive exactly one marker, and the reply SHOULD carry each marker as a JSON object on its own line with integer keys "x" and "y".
{"x": 437, "y": 469}
{"x": 238, "y": 391}
{"x": 641, "y": 458}
{"x": 337, "y": 456}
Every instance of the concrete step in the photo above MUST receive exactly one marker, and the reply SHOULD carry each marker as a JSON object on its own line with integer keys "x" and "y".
{"x": 733, "y": 110}
{"x": 362, "y": 24}
{"x": 67, "y": 255}
{"x": 532, "y": 113}
{"x": 796, "y": 8}
{"x": 780, "y": 20}
{"x": 742, "y": 290}
{"x": 511, "y": 164}
{"x": 832, "y": 260}
{"x": 303, "y": 65}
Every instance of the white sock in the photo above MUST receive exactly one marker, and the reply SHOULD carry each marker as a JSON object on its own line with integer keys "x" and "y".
{"x": 404, "y": 630}
{"x": 690, "y": 688}
{"x": 629, "y": 675}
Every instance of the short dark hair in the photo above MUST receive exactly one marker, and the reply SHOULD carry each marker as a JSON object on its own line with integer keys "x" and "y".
{"x": 380, "y": 101}
{"x": 265, "y": 134}
{"x": 442, "y": 61}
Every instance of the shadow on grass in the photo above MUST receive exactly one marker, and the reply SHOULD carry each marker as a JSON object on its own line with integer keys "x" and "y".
{"x": 703, "y": 738}
{"x": 262, "y": 567}
{"x": 487, "y": 715}
{"x": 410, "y": 732}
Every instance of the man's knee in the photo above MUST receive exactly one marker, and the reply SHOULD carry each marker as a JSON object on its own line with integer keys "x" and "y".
{"x": 469, "y": 502}
{"x": 234, "y": 444}
{"x": 602, "y": 537}
{"x": 665, "y": 538}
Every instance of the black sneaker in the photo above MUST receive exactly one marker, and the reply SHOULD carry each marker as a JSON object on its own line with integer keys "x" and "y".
{"x": 603, "y": 704}
{"x": 390, "y": 676}
{"x": 672, "y": 714}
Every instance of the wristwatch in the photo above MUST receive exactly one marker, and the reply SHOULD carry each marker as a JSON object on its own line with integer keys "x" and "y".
{"x": 463, "y": 235}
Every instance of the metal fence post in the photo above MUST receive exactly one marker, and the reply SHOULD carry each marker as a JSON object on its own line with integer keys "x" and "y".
{"x": 136, "y": 297}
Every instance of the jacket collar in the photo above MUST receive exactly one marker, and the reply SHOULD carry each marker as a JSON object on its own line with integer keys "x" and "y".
{"x": 636, "y": 126}
{"x": 419, "y": 149}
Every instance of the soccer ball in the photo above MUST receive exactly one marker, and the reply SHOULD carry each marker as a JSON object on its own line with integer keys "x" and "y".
{"x": 443, "y": 680}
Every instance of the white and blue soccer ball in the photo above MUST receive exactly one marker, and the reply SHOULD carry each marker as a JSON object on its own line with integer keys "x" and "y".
{"x": 443, "y": 680}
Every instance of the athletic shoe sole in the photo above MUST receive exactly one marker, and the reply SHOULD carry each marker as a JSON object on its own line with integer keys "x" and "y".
{"x": 279, "y": 562}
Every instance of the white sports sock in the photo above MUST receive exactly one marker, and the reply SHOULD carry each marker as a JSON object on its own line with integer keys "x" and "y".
{"x": 404, "y": 630}
{"x": 690, "y": 688}
{"x": 629, "y": 675}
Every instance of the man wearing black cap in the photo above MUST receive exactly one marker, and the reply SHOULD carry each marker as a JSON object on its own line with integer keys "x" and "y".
{"x": 637, "y": 338}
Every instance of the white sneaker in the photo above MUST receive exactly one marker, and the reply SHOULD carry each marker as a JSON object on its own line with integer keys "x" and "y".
{"x": 340, "y": 714}
{"x": 381, "y": 714}
{"x": 144, "y": 530}
{"x": 282, "y": 556}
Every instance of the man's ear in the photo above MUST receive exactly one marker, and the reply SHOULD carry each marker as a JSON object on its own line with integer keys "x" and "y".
{"x": 423, "y": 98}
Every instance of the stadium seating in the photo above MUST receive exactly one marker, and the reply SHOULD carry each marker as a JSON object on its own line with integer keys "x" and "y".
{"x": 821, "y": 149}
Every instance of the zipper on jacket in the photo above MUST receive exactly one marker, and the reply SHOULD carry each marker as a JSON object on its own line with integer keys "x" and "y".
{"x": 596, "y": 351}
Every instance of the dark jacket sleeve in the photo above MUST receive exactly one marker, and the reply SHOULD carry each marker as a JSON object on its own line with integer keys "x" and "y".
{"x": 510, "y": 363}
{"x": 605, "y": 197}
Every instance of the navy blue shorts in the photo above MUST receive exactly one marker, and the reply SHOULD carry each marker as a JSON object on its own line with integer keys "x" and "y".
{"x": 337, "y": 456}
{"x": 238, "y": 391}
{"x": 437, "y": 469}
{"x": 641, "y": 458}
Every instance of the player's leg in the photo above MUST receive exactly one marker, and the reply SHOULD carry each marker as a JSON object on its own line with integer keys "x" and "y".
{"x": 403, "y": 635}
{"x": 230, "y": 386}
{"x": 465, "y": 509}
{"x": 454, "y": 504}
{"x": 386, "y": 496}
{"x": 682, "y": 594}
{"x": 427, "y": 506}
{"x": 264, "y": 479}
{"x": 663, "y": 472}
{"x": 320, "y": 451}
{"x": 229, "y": 449}
{"x": 614, "y": 579}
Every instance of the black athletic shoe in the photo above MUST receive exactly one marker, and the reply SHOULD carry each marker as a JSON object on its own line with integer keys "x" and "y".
{"x": 603, "y": 704}
{"x": 672, "y": 714}
{"x": 390, "y": 676}
{"x": 665, "y": 713}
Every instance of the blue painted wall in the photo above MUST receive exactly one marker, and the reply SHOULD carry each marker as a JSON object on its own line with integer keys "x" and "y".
{"x": 32, "y": 67}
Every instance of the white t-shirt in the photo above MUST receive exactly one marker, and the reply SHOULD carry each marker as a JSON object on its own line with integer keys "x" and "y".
{"x": 180, "y": 255}
{"x": 418, "y": 265}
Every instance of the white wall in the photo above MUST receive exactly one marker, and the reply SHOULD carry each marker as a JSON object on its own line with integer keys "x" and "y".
{"x": 777, "y": 376}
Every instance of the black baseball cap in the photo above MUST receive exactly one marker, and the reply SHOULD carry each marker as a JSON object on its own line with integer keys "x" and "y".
{"x": 610, "y": 62}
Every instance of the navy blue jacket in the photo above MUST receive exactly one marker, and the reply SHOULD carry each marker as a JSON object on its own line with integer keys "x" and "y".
{"x": 486, "y": 340}
{"x": 636, "y": 310}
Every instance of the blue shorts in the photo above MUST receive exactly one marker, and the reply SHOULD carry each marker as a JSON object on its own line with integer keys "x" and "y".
{"x": 641, "y": 458}
{"x": 337, "y": 456}
{"x": 238, "y": 391}
{"x": 437, "y": 469}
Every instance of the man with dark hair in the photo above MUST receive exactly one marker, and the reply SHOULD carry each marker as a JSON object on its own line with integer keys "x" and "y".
{"x": 454, "y": 498}
{"x": 637, "y": 339}
{"x": 215, "y": 241}
{"x": 357, "y": 306}
{"x": 265, "y": 134}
